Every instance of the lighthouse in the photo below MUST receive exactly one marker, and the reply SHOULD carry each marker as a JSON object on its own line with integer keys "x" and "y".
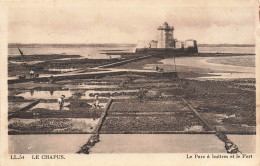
{"x": 165, "y": 36}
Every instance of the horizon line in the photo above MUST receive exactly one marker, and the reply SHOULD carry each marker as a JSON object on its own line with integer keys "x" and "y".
{"x": 69, "y": 43}
{"x": 135, "y": 43}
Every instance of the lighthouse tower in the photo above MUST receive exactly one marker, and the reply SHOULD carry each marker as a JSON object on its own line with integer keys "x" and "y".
{"x": 165, "y": 36}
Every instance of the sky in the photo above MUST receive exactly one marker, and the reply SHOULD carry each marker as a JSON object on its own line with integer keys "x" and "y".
{"x": 208, "y": 22}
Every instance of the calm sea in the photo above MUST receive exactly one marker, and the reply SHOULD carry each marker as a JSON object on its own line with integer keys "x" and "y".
{"x": 97, "y": 51}
{"x": 93, "y": 51}
{"x": 238, "y": 50}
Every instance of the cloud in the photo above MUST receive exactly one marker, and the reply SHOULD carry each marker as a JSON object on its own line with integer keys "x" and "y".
{"x": 128, "y": 22}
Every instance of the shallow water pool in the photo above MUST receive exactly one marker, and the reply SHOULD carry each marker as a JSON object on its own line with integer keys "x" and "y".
{"x": 45, "y": 94}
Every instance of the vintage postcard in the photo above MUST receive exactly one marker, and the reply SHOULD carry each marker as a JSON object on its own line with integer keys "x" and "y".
{"x": 118, "y": 82}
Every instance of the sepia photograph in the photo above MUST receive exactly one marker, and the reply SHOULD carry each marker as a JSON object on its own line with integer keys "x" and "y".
{"x": 127, "y": 77}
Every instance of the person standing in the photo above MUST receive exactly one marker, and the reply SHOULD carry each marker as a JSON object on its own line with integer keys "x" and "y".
{"x": 31, "y": 73}
{"x": 61, "y": 101}
{"x": 157, "y": 68}
{"x": 96, "y": 102}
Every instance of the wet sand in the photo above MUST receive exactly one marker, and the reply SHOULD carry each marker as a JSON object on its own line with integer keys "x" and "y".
{"x": 219, "y": 67}
{"x": 43, "y": 63}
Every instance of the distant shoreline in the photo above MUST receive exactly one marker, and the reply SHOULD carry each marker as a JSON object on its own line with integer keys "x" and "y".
{"x": 11, "y": 45}
{"x": 226, "y": 45}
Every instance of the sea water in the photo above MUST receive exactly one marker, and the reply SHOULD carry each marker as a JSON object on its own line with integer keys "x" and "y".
{"x": 91, "y": 51}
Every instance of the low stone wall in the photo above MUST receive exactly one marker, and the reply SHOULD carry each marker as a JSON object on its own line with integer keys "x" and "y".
{"x": 24, "y": 108}
{"x": 167, "y": 50}
{"x": 158, "y": 50}
{"x": 98, "y": 75}
{"x": 158, "y": 132}
{"x": 94, "y": 138}
{"x": 74, "y": 76}
{"x": 124, "y": 62}
{"x": 155, "y": 74}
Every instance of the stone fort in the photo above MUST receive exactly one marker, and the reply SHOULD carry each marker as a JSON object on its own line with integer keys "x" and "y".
{"x": 166, "y": 41}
